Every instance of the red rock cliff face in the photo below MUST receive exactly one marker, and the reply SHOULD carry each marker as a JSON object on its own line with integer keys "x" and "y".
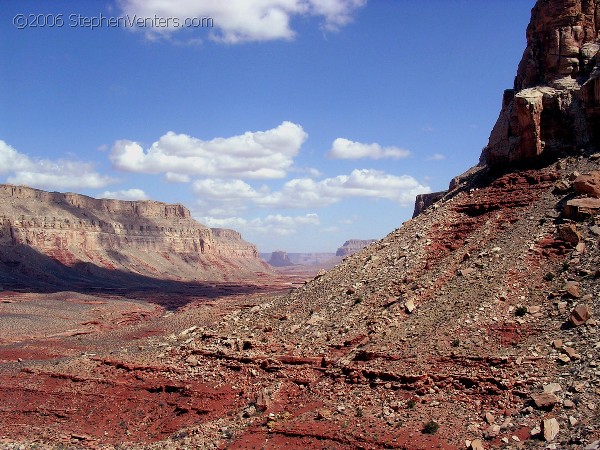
{"x": 555, "y": 104}
{"x": 142, "y": 237}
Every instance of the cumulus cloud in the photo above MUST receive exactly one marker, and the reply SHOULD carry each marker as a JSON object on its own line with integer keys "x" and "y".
{"x": 254, "y": 155}
{"x": 224, "y": 189}
{"x": 126, "y": 194}
{"x": 308, "y": 193}
{"x": 271, "y": 224}
{"x": 236, "y": 21}
{"x": 177, "y": 177}
{"x": 346, "y": 149}
{"x": 48, "y": 174}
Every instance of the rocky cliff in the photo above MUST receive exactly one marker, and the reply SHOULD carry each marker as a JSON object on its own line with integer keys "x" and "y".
{"x": 553, "y": 109}
{"x": 42, "y": 233}
{"x": 554, "y": 106}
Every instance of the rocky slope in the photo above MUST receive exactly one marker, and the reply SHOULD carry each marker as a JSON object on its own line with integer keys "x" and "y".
{"x": 475, "y": 322}
{"x": 55, "y": 239}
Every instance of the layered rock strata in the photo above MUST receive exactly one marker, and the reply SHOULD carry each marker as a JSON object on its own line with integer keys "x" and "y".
{"x": 40, "y": 229}
{"x": 554, "y": 106}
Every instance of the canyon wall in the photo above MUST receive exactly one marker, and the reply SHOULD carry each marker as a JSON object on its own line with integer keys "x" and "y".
{"x": 146, "y": 238}
{"x": 553, "y": 109}
{"x": 554, "y": 106}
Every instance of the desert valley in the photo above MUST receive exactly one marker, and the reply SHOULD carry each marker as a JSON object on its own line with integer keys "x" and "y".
{"x": 474, "y": 325}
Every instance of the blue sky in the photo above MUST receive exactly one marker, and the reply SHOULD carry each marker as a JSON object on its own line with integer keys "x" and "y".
{"x": 300, "y": 123}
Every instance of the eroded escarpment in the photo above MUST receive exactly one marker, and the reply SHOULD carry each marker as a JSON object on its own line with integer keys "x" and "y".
{"x": 48, "y": 233}
{"x": 554, "y": 106}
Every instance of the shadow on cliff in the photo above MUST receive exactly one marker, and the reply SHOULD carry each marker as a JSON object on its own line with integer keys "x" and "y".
{"x": 24, "y": 269}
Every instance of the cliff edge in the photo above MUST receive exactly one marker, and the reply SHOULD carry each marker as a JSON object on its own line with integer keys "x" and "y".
{"x": 554, "y": 106}
{"x": 56, "y": 238}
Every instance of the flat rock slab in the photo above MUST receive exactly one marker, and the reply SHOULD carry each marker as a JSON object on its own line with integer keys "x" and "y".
{"x": 580, "y": 208}
{"x": 545, "y": 400}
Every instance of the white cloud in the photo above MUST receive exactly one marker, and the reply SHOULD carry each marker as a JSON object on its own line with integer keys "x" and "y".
{"x": 255, "y": 155}
{"x": 48, "y": 174}
{"x": 304, "y": 193}
{"x": 308, "y": 193}
{"x": 224, "y": 189}
{"x": 177, "y": 178}
{"x": 436, "y": 157}
{"x": 126, "y": 194}
{"x": 236, "y": 21}
{"x": 271, "y": 224}
{"x": 346, "y": 149}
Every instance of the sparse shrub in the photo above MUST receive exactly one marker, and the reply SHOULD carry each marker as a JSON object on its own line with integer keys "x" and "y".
{"x": 431, "y": 427}
{"x": 549, "y": 276}
{"x": 358, "y": 301}
{"x": 359, "y": 412}
{"x": 565, "y": 266}
{"x": 520, "y": 311}
{"x": 455, "y": 343}
{"x": 411, "y": 403}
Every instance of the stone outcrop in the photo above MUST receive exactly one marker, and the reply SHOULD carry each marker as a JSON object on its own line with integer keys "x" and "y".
{"x": 40, "y": 229}
{"x": 280, "y": 259}
{"x": 352, "y": 246}
{"x": 424, "y": 201}
{"x": 581, "y": 208}
{"x": 554, "y": 106}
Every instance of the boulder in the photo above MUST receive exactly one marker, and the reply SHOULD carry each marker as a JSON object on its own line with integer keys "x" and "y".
{"x": 568, "y": 233}
{"x": 552, "y": 388}
{"x": 550, "y": 428}
{"x": 588, "y": 184}
{"x": 492, "y": 431}
{"x": 572, "y": 289}
{"x": 263, "y": 401}
{"x": 581, "y": 208}
{"x": 545, "y": 400}
{"x": 580, "y": 315}
{"x": 476, "y": 445}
